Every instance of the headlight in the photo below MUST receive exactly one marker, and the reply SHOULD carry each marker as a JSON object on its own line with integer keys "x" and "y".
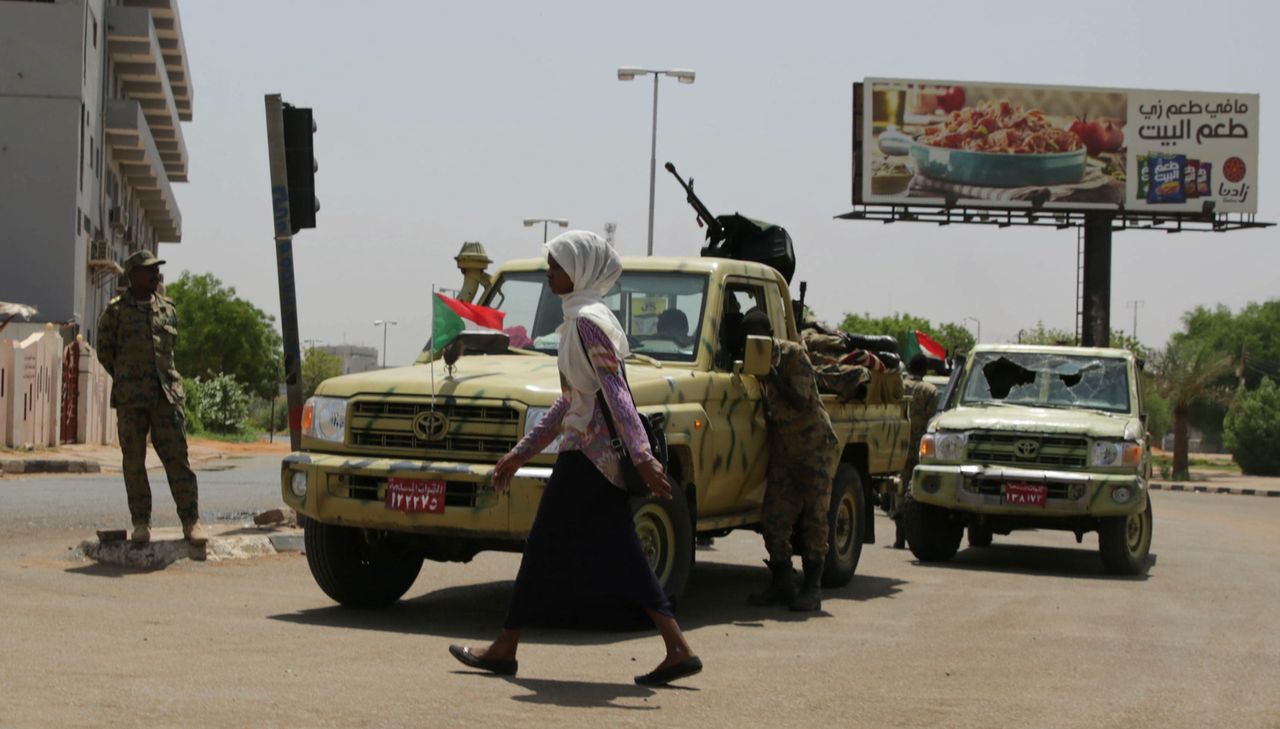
{"x": 325, "y": 418}
{"x": 534, "y": 416}
{"x": 298, "y": 483}
{"x": 1107, "y": 453}
{"x": 943, "y": 446}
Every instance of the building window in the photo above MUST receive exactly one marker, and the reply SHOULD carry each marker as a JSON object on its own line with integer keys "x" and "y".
{"x": 95, "y": 28}
{"x": 82, "y": 126}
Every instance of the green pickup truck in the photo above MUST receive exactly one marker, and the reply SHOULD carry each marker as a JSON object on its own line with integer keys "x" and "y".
{"x": 436, "y": 431}
{"x": 1037, "y": 437}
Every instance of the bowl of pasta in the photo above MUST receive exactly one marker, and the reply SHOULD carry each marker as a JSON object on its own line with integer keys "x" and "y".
{"x": 998, "y": 144}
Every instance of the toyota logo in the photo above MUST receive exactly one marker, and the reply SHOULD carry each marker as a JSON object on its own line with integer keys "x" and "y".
{"x": 1025, "y": 449}
{"x": 430, "y": 425}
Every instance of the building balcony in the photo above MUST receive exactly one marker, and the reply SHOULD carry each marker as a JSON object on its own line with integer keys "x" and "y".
{"x": 168, "y": 25}
{"x": 142, "y": 165}
{"x": 134, "y": 47}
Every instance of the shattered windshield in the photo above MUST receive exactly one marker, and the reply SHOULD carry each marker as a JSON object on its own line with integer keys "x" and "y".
{"x": 1048, "y": 380}
{"x": 660, "y": 312}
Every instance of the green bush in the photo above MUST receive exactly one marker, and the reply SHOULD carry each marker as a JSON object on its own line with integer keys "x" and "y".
{"x": 260, "y": 415}
{"x": 223, "y": 404}
{"x": 1251, "y": 430}
{"x": 191, "y": 405}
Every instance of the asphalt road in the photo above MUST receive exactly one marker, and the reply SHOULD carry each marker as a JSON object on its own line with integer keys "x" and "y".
{"x": 1028, "y": 633}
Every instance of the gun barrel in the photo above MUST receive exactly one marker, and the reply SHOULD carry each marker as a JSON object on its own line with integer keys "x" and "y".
{"x": 714, "y": 229}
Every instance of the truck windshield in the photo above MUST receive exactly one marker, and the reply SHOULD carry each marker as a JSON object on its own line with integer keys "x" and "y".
{"x": 661, "y": 312}
{"x": 1048, "y": 380}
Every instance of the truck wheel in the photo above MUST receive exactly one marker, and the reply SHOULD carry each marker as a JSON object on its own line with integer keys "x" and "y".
{"x": 980, "y": 536}
{"x": 845, "y": 520}
{"x": 356, "y": 570}
{"x": 665, "y": 531}
{"x": 931, "y": 535}
{"x": 1125, "y": 541}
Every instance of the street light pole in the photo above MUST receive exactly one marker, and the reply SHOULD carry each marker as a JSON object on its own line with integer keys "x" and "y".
{"x": 684, "y": 76}
{"x": 977, "y": 336}
{"x": 1135, "y": 304}
{"x": 530, "y": 222}
{"x": 383, "y": 323}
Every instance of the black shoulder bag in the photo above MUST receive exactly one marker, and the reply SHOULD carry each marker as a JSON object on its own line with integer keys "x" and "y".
{"x": 631, "y": 477}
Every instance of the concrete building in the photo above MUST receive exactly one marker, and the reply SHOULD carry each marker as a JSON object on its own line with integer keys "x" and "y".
{"x": 92, "y": 97}
{"x": 354, "y": 358}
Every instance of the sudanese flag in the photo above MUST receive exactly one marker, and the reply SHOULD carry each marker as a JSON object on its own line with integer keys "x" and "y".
{"x": 920, "y": 343}
{"x": 449, "y": 317}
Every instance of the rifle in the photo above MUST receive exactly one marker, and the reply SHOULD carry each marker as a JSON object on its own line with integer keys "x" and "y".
{"x": 715, "y": 231}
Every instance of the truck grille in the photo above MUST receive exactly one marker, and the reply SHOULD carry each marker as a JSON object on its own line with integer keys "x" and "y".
{"x": 471, "y": 431}
{"x": 1065, "y": 451}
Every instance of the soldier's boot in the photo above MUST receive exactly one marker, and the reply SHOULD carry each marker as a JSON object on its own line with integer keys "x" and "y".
{"x": 781, "y": 589}
{"x": 194, "y": 533}
{"x": 809, "y": 598}
{"x": 141, "y": 533}
{"x": 900, "y": 533}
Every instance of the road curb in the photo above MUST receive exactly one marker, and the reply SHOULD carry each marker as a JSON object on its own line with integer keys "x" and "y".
{"x": 49, "y": 465}
{"x": 1193, "y": 489}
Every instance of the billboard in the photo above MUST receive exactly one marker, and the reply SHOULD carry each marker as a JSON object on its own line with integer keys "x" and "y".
{"x": 920, "y": 142}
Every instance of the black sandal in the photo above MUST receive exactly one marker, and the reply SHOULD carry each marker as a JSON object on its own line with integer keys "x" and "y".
{"x": 502, "y": 667}
{"x": 674, "y": 672}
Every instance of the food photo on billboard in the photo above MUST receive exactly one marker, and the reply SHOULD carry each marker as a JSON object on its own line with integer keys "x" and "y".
{"x": 1009, "y": 145}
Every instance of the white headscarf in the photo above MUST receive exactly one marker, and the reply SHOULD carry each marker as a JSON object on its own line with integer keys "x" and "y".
{"x": 594, "y": 267}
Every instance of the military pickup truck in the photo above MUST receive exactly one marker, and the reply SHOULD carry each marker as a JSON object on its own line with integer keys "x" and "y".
{"x": 435, "y": 431}
{"x": 1037, "y": 437}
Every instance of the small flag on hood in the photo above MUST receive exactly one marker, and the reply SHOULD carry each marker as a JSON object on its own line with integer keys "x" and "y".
{"x": 920, "y": 343}
{"x": 448, "y": 315}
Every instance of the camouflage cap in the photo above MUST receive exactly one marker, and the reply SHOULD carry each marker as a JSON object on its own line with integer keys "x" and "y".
{"x": 139, "y": 259}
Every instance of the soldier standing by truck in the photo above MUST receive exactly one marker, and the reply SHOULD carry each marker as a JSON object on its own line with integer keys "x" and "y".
{"x": 802, "y": 462}
{"x": 924, "y": 402}
{"x": 136, "y": 337}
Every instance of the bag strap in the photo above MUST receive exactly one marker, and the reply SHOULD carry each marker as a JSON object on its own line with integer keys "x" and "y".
{"x": 614, "y": 441}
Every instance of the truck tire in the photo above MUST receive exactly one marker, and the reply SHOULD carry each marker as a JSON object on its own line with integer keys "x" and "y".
{"x": 980, "y": 536}
{"x": 356, "y": 571}
{"x": 665, "y": 530}
{"x": 931, "y": 535}
{"x": 1125, "y": 541}
{"x": 845, "y": 520}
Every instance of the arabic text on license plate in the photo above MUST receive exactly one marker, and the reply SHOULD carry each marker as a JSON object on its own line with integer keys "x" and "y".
{"x": 1017, "y": 493}
{"x": 415, "y": 496}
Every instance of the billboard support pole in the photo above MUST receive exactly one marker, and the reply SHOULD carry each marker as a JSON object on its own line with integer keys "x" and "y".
{"x": 284, "y": 266}
{"x": 1096, "y": 331}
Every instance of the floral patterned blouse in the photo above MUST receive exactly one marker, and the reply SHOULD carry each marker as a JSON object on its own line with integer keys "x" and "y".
{"x": 594, "y": 442}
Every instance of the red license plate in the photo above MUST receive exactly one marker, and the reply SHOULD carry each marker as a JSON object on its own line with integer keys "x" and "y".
{"x": 415, "y": 496}
{"x": 1017, "y": 493}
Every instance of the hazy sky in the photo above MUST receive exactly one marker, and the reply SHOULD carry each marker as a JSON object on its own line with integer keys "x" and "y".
{"x": 446, "y": 122}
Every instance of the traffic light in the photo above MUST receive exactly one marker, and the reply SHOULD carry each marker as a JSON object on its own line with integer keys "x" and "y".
{"x": 300, "y": 161}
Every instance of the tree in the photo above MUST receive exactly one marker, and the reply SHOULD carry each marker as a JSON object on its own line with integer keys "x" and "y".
{"x": 1251, "y": 337}
{"x": 221, "y": 333}
{"x": 1252, "y": 429}
{"x": 953, "y": 337}
{"x": 1185, "y": 373}
{"x": 318, "y": 366}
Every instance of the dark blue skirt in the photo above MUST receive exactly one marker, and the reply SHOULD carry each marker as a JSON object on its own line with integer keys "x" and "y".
{"x": 583, "y": 566}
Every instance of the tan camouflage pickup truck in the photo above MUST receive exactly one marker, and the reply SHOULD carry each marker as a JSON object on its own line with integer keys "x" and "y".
{"x": 436, "y": 431}
{"x": 1037, "y": 437}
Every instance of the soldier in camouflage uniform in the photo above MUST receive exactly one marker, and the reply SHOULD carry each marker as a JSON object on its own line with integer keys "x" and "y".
{"x": 136, "y": 337}
{"x": 802, "y": 462}
{"x": 924, "y": 402}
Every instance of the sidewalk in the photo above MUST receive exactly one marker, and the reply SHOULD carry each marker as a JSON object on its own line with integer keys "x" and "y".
{"x": 81, "y": 458}
{"x": 1217, "y": 482}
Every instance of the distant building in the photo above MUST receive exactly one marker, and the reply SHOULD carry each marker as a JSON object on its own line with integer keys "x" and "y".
{"x": 92, "y": 97}
{"x": 354, "y": 359}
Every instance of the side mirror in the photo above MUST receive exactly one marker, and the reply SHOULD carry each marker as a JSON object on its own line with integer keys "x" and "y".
{"x": 758, "y": 356}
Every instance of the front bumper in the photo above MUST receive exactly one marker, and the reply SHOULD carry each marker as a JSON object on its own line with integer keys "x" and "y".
{"x": 980, "y": 490}
{"x": 350, "y": 490}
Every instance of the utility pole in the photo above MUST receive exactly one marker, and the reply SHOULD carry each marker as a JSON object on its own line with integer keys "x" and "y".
{"x": 1135, "y": 304}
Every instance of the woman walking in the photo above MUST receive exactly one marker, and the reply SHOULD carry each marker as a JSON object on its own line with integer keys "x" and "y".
{"x": 583, "y": 561}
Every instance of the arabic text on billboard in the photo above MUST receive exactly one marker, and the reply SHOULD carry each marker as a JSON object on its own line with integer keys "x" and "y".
{"x": 924, "y": 142}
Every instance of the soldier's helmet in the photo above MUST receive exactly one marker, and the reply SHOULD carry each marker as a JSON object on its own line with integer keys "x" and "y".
{"x": 139, "y": 259}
